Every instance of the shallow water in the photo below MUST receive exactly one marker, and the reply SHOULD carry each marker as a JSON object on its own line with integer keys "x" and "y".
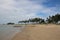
{"x": 8, "y": 31}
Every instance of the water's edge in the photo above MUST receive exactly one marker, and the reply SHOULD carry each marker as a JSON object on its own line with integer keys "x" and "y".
{"x": 7, "y": 32}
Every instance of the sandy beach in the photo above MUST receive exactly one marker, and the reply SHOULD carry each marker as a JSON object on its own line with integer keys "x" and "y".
{"x": 39, "y": 32}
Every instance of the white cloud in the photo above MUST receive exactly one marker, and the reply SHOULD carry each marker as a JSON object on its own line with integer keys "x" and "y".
{"x": 15, "y": 10}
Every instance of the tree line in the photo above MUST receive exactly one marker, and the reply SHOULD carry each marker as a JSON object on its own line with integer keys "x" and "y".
{"x": 51, "y": 19}
{"x": 33, "y": 20}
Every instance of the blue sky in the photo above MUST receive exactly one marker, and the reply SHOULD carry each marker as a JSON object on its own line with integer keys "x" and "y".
{"x": 16, "y": 10}
{"x": 52, "y": 3}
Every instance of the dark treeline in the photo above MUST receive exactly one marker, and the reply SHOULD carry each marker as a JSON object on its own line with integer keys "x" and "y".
{"x": 34, "y": 20}
{"x": 54, "y": 19}
{"x": 10, "y": 23}
{"x": 51, "y": 19}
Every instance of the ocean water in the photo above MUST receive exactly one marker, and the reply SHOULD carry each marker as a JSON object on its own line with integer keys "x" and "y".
{"x": 8, "y": 31}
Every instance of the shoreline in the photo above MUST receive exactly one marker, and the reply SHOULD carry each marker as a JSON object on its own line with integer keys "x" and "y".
{"x": 7, "y": 32}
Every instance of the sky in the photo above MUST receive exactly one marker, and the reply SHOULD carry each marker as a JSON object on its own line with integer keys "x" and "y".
{"x": 17, "y": 10}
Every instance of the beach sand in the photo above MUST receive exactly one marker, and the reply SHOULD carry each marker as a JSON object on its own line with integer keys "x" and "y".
{"x": 39, "y": 32}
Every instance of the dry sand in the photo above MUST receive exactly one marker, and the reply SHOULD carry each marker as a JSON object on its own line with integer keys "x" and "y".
{"x": 39, "y": 32}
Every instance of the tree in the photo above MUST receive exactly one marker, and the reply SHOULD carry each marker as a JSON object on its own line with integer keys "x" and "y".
{"x": 49, "y": 19}
{"x": 42, "y": 21}
{"x": 33, "y": 20}
{"x": 24, "y": 21}
{"x": 37, "y": 20}
{"x": 10, "y": 23}
{"x": 54, "y": 18}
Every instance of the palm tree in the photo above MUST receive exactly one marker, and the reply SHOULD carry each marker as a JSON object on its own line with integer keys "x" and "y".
{"x": 36, "y": 20}
{"x": 54, "y": 19}
{"x": 42, "y": 21}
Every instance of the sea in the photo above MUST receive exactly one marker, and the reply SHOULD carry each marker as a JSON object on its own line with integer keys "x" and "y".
{"x": 7, "y": 32}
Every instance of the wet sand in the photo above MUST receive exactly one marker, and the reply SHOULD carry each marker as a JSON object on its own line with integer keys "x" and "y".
{"x": 39, "y": 32}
